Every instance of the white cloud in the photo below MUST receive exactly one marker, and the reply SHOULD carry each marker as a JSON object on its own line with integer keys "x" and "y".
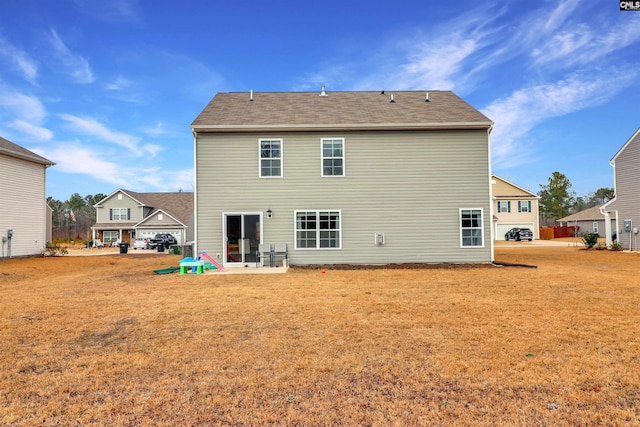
{"x": 25, "y": 113}
{"x": 20, "y": 60}
{"x": 91, "y": 127}
{"x": 36, "y": 132}
{"x": 72, "y": 64}
{"x": 74, "y": 158}
{"x": 515, "y": 115}
{"x": 119, "y": 84}
{"x": 155, "y": 131}
{"x": 23, "y": 106}
{"x": 582, "y": 44}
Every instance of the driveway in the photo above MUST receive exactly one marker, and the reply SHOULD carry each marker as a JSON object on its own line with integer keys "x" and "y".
{"x": 566, "y": 241}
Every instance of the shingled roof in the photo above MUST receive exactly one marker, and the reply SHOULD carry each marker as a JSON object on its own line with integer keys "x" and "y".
{"x": 244, "y": 111}
{"x": 14, "y": 150}
{"x": 590, "y": 214}
{"x": 177, "y": 204}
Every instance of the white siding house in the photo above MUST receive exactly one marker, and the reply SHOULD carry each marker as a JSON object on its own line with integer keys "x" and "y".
{"x": 625, "y": 206}
{"x": 514, "y": 207}
{"x": 23, "y": 207}
{"x": 343, "y": 178}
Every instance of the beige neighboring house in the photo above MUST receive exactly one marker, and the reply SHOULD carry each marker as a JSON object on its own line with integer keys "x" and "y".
{"x": 622, "y": 213}
{"x": 343, "y": 177}
{"x": 23, "y": 205}
{"x": 124, "y": 215}
{"x": 513, "y": 207}
{"x": 590, "y": 220}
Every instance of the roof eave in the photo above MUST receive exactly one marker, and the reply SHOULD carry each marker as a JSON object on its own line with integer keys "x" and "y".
{"x": 34, "y": 159}
{"x": 341, "y": 127}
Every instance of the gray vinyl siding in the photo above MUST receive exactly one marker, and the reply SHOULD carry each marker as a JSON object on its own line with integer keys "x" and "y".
{"x": 113, "y": 202}
{"x": 627, "y": 186}
{"x": 22, "y": 206}
{"x": 408, "y": 185}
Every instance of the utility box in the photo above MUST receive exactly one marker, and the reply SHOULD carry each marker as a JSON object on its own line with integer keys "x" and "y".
{"x": 627, "y": 224}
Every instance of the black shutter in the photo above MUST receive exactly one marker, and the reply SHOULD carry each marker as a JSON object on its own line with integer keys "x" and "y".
{"x": 110, "y": 214}
{"x": 128, "y": 213}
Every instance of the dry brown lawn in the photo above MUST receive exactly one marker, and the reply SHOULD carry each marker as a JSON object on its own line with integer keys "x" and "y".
{"x": 105, "y": 341}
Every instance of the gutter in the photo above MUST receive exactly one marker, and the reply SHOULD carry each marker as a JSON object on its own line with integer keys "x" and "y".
{"x": 341, "y": 127}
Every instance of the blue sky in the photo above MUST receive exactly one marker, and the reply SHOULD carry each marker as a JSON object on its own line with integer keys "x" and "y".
{"x": 107, "y": 89}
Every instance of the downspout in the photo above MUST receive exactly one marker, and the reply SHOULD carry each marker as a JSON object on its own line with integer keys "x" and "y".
{"x": 607, "y": 226}
{"x": 195, "y": 193}
{"x": 491, "y": 201}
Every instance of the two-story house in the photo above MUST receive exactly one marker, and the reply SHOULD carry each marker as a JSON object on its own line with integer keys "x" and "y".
{"x": 513, "y": 207}
{"x": 124, "y": 215}
{"x": 24, "y": 215}
{"x": 343, "y": 177}
{"x": 625, "y": 206}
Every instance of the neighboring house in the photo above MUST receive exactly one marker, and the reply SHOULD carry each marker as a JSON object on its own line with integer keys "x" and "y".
{"x": 513, "y": 206}
{"x": 124, "y": 215}
{"x": 343, "y": 177}
{"x": 625, "y": 206}
{"x": 590, "y": 220}
{"x": 23, "y": 205}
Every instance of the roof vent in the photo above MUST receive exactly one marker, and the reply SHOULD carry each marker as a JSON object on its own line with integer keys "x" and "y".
{"x": 382, "y": 93}
{"x": 251, "y": 95}
{"x": 323, "y": 93}
{"x": 426, "y": 99}
{"x": 392, "y": 101}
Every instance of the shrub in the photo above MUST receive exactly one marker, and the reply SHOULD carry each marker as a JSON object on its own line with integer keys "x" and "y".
{"x": 600, "y": 246}
{"x": 615, "y": 246}
{"x": 590, "y": 240}
{"x": 55, "y": 249}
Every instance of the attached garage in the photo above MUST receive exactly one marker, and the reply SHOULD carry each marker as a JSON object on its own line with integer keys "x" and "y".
{"x": 149, "y": 234}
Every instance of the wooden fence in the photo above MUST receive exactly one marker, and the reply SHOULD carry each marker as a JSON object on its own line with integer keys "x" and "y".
{"x": 548, "y": 233}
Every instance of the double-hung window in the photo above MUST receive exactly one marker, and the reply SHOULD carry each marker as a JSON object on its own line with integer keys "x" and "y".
{"x": 332, "y": 157}
{"x": 120, "y": 214}
{"x": 318, "y": 230}
{"x": 524, "y": 206}
{"x": 504, "y": 206}
{"x": 270, "y": 158}
{"x": 471, "y": 228}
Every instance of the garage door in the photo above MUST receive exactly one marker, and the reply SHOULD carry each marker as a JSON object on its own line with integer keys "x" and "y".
{"x": 148, "y": 234}
{"x": 501, "y": 229}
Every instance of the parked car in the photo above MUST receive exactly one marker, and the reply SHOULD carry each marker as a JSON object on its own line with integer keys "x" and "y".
{"x": 141, "y": 243}
{"x": 166, "y": 239}
{"x": 519, "y": 234}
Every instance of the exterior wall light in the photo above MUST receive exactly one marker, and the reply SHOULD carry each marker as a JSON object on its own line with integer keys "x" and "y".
{"x": 269, "y": 214}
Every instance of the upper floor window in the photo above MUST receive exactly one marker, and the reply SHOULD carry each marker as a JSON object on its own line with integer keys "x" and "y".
{"x": 524, "y": 206}
{"x": 333, "y": 157}
{"x": 119, "y": 214}
{"x": 471, "y": 228}
{"x": 504, "y": 206}
{"x": 270, "y": 158}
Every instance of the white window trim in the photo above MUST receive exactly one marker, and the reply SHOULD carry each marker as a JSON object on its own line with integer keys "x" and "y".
{"x": 525, "y": 203}
{"x": 344, "y": 161}
{"x": 120, "y": 211}
{"x": 595, "y": 227}
{"x": 317, "y": 248}
{"x": 482, "y": 226}
{"x": 260, "y": 157}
